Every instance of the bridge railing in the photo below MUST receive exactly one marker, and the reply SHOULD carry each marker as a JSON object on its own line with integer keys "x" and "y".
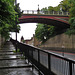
{"x": 46, "y": 62}
{"x": 45, "y": 12}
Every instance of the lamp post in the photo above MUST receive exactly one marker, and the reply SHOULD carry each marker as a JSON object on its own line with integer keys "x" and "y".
{"x": 63, "y": 47}
{"x": 16, "y": 25}
{"x": 38, "y": 9}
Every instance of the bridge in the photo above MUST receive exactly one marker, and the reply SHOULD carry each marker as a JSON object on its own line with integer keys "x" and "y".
{"x": 46, "y": 63}
{"x": 58, "y": 19}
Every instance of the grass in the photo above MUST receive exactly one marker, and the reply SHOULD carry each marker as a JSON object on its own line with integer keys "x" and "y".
{"x": 18, "y": 50}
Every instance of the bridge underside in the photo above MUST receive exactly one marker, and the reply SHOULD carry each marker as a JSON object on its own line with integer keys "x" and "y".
{"x": 58, "y": 24}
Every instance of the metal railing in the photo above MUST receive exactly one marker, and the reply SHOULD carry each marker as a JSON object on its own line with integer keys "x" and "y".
{"x": 46, "y": 62}
{"x": 45, "y": 12}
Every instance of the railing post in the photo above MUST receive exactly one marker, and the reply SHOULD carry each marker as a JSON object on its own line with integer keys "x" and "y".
{"x": 67, "y": 13}
{"x": 32, "y": 11}
{"x": 28, "y": 54}
{"x": 32, "y": 53}
{"x": 62, "y": 13}
{"x": 38, "y": 59}
{"x": 27, "y": 11}
{"x": 32, "y": 59}
{"x": 48, "y": 12}
{"x": 49, "y": 62}
{"x": 70, "y": 67}
{"x": 38, "y": 56}
{"x": 53, "y": 12}
{"x": 58, "y": 12}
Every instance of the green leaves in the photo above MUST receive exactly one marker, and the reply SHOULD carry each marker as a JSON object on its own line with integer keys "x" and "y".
{"x": 72, "y": 8}
{"x": 71, "y": 30}
{"x": 8, "y": 17}
{"x": 43, "y": 32}
{"x": 65, "y": 5}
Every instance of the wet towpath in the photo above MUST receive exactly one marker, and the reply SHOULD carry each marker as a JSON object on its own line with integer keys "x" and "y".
{"x": 13, "y": 63}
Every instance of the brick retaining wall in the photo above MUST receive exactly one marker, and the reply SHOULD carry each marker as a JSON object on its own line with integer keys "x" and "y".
{"x": 60, "y": 42}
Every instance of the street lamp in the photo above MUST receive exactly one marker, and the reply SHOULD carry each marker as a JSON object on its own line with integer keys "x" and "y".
{"x": 38, "y": 9}
{"x": 63, "y": 50}
{"x": 16, "y": 25}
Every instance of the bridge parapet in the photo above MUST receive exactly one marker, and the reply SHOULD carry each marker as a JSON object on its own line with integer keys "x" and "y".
{"x": 45, "y": 12}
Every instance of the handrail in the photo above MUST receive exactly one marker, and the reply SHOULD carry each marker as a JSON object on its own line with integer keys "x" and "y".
{"x": 45, "y": 12}
{"x": 48, "y": 63}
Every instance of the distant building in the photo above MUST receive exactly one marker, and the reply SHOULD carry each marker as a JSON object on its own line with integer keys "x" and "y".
{"x": 33, "y": 41}
{"x": 22, "y": 39}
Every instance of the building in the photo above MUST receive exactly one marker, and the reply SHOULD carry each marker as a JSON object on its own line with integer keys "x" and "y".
{"x": 33, "y": 41}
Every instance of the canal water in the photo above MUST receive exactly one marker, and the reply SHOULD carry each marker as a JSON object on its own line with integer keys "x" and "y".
{"x": 12, "y": 63}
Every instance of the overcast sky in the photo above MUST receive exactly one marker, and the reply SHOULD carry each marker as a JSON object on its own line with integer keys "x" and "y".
{"x": 28, "y": 29}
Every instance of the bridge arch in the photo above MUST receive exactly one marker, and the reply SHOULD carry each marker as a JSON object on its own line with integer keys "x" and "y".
{"x": 61, "y": 22}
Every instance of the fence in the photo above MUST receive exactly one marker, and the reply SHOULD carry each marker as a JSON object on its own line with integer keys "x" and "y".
{"x": 46, "y": 62}
{"x": 45, "y": 12}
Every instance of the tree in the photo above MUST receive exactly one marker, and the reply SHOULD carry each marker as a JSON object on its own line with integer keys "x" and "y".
{"x": 44, "y": 10}
{"x": 65, "y": 5}
{"x": 39, "y": 32}
{"x": 50, "y": 8}
{"x": 57, "y": 8}
{"x": 72, "y": 9}
{"x": 18, "y": 10}
{"x": 7, "y": 17}
{"x": 43, "y": 32}
{"x": 71, "y": 30}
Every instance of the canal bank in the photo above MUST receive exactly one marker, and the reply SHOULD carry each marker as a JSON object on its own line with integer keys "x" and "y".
{"x": 60, "y": 43}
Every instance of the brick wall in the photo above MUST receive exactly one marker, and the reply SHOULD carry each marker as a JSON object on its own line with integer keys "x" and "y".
{"x": 60, "y": 41}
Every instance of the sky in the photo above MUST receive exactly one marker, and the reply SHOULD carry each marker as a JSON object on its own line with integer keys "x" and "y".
{"x": 28, "y": 29}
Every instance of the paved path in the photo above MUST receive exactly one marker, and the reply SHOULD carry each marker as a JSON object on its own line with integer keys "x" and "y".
{"x": 13, "y": 63}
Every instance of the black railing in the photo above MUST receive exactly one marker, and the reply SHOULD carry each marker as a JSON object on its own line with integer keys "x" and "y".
{"x": 46, "y": 62}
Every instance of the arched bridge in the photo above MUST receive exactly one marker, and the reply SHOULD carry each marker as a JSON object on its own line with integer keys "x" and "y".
{"x": 58, "y": 20}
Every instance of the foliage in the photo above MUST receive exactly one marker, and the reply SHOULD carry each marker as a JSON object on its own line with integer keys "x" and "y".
{"x": 46, "y": 31}
{"x": 57, "y": 8}
{"x": 50, "y": 8}
{"x": 72, "y": 22}
{"x": 17, "y": 9}
{"x": 71, "y": 30}
{"x": 65, "y": 5}
{"x": 44, "y": 10}
{"x": 18, "y": 50}
{"x": 72, "y": 9}
{"x": 7, "y": 17}
{"x": 43, "y": 32}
